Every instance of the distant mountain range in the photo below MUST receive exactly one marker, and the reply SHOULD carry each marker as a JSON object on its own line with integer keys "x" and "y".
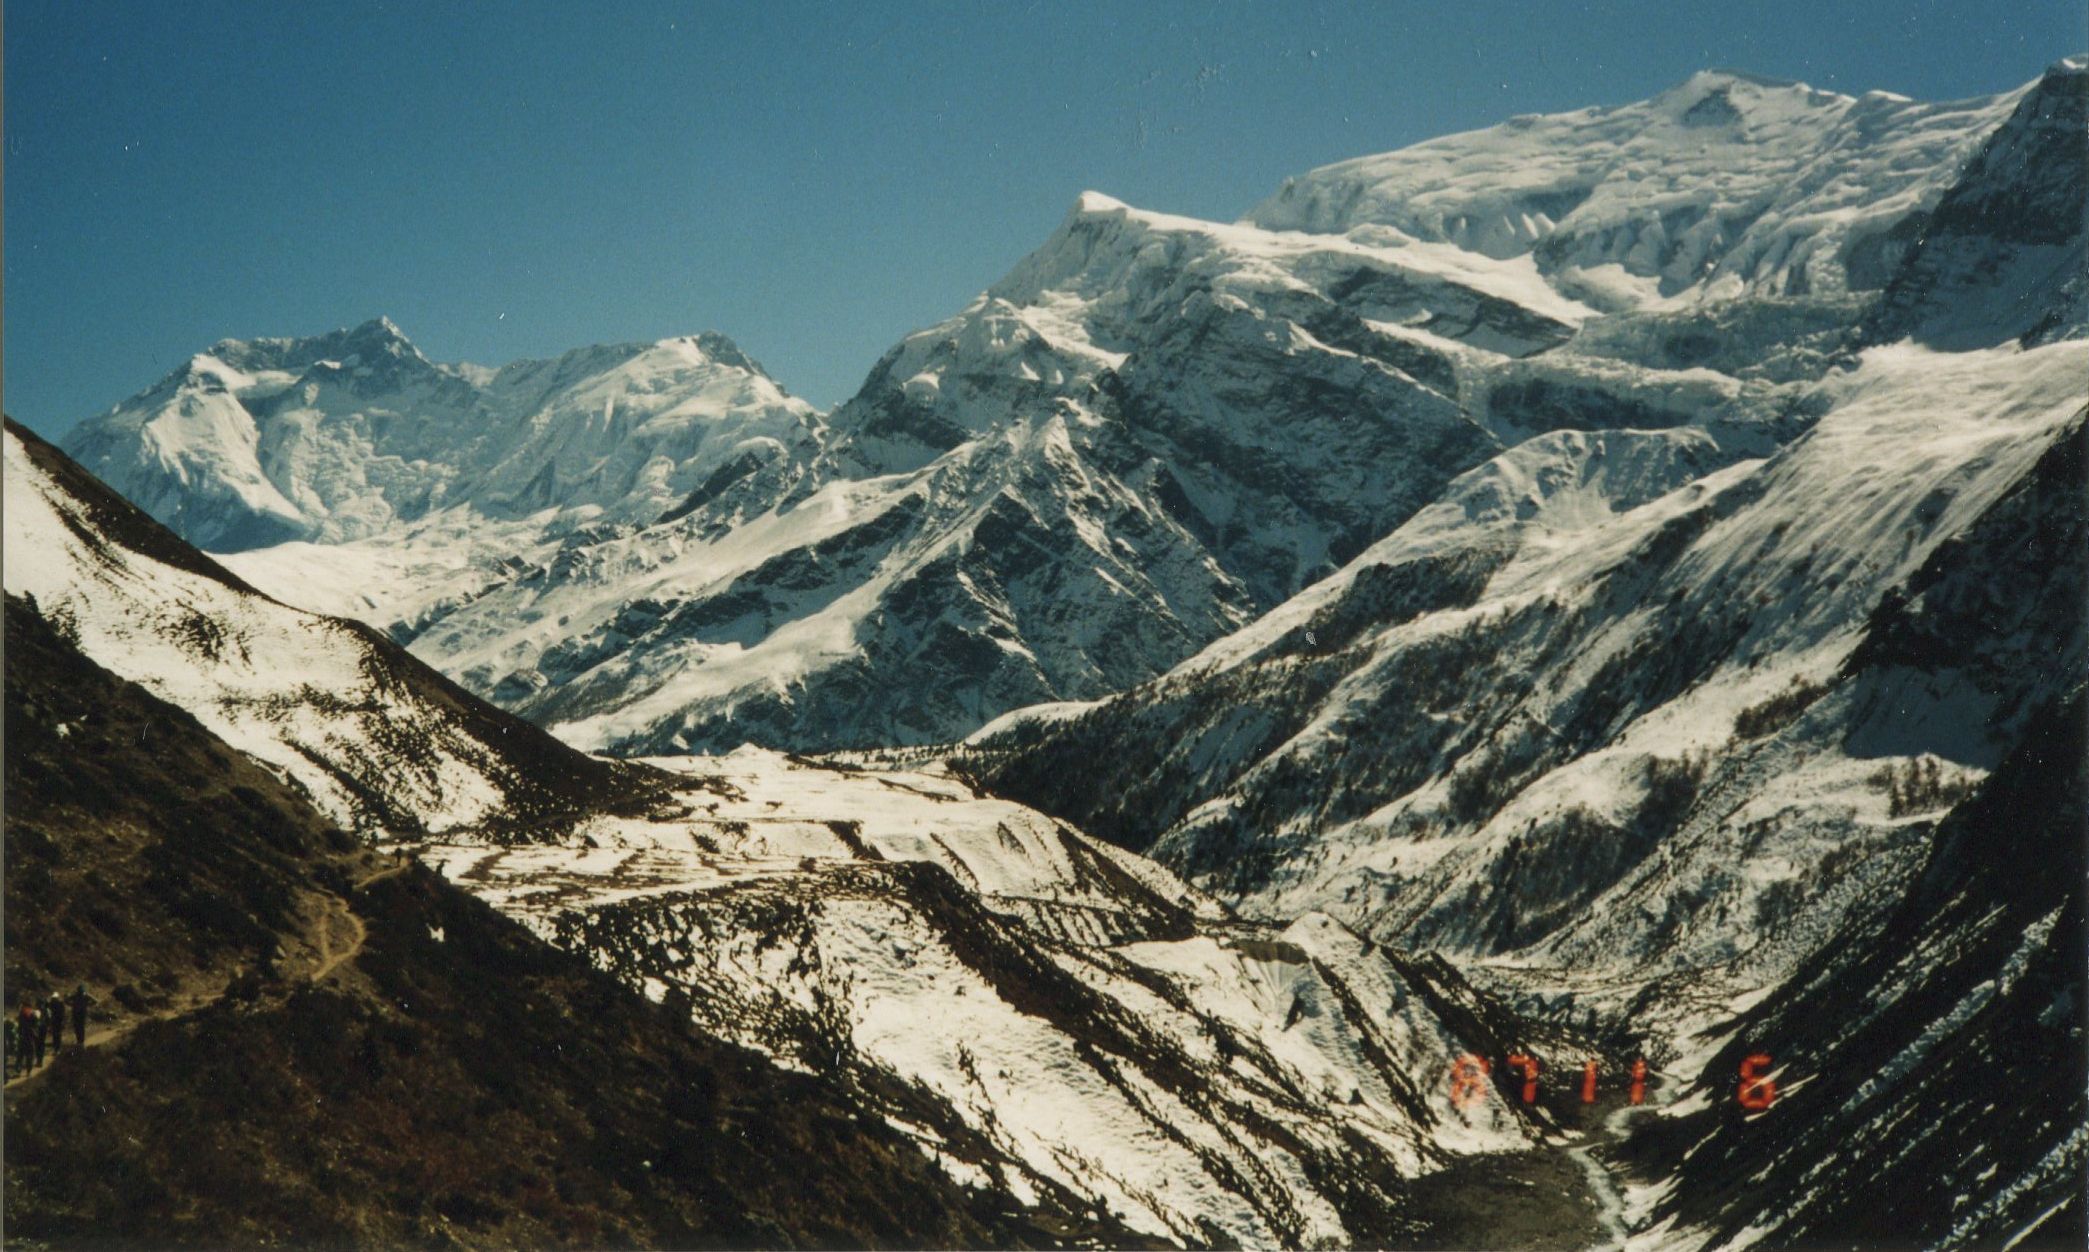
{"x": 1150, "y": 433}
{"x": 1610, "y": 585}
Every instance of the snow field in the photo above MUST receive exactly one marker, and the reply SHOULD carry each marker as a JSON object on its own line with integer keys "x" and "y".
{"x": 752, "y": 894}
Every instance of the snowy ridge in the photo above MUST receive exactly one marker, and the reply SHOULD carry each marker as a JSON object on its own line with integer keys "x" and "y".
{"x": 381, "y": 745}
{"x": 2002, "y": 257}
{"x": 1725, "y": 184}
{"x": 1054, "y": 495}
{"x": 341, "y": 436}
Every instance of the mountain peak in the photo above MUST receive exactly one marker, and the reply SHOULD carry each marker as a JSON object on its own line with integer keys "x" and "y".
{"x": 1714, "y": 77}
{"x": 379, "y": 327}
{"x": 721, "y": 349}
{"x": 1089, "y": 203}
{"x": 377, "y": 337}
{"x": 1581, "y": 183}
{"x": 1716, "y": 96}
{"x": 2064, "y": 75}
{"x": 574, "y": 430}
{"x": 379, "y": 334}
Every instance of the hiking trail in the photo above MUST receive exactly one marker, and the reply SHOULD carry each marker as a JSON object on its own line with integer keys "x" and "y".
{"x": 339, "y": 920}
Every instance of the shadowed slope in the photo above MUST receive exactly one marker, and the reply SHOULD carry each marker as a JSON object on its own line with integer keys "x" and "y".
{"x": 452, "y": 1082}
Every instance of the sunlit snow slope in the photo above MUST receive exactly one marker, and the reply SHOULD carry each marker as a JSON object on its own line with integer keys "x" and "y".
{"x": 1637, "y": 554}
{"x": 1657, "y": 724}
{"x": 1050, "y": 1016}
{"x": 1726, "y": 183}
{"x": 380, "y": 743}
{"x": 1057, "y": 1021}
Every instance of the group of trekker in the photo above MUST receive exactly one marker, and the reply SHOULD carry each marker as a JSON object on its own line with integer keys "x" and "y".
{"x": 37, "y": 1029}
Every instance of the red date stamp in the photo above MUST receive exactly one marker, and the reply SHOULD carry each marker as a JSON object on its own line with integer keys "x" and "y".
{"x": 1469, "y": 1080}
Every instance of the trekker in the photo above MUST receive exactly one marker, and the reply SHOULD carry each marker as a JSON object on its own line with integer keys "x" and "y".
{"x": 54, "y": 1013}
{"x": 80, "y": 1002}
{"x": 13, "y": 1036}
{"x": 32, "y": 1025}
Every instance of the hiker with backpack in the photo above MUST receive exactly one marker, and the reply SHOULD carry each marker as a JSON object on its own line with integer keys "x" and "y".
{"x": 54, "y": 1018}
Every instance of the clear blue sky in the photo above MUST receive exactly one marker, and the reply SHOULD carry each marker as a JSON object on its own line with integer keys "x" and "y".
{"x": 514, "y": 179}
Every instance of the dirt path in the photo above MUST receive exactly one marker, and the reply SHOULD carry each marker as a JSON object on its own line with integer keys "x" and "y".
{"x": 332, "y": 955}
{"x": 341, "y": 937}
{"x": 390, "y": 872}
{"x": 115, "y": 1031}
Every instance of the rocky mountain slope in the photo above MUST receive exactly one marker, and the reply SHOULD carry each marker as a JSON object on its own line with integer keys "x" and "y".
{"x": 1073, "y": 1021}
{"x": 2001, "y": 256}
{"x": 1064, "y": 1029}
{"x": 1148, "y": 434}
{"x": 1650, "y": 739}
{"x": 378, "y": 741}
{"x": 1934, "y": 1056}
{"x": 297, "y": 1043}
{"x": 1656, "y": 789}
{"x": 1580, "y": 616}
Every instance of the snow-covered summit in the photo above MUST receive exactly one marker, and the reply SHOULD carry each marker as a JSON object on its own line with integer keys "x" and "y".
{"x": 336, "y": 436}
{"x": 1724, "y": 183}
{"x": 1149, "y": 432}
{"x": 377, "y": 338}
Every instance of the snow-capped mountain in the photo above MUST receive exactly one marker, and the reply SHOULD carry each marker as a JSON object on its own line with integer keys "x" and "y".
{"x": 1053, "y": 1020}
{"x": 1151, "y": 432}
{"x": 1725, "y": 184}
{"x": 349, "y": 434}
{"x": 1607, "y": 606}
{"x": 1037, "y": 500}
{"x": 1646, "y": 728}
